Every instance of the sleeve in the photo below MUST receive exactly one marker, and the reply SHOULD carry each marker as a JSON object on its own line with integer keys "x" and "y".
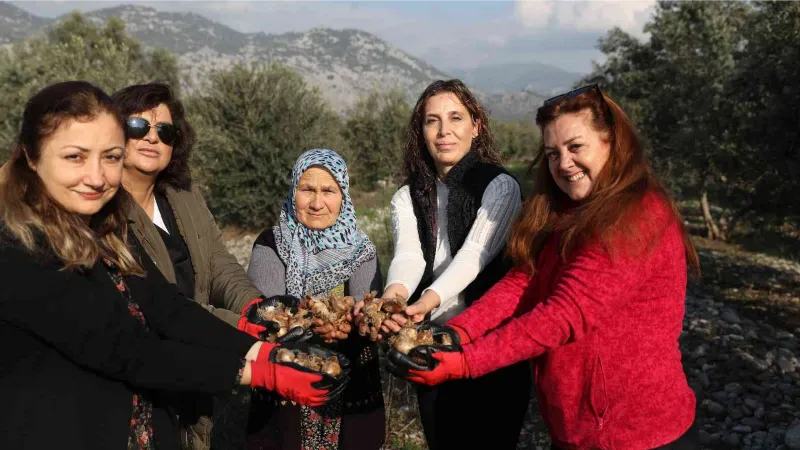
{"x": 230, "y": 286}
{"x": 177, "y": 318}
{"x": 408, "y": 264}
{"x": 589, "y": 289}
{"x": 500, "y": 303}
{"x": 267, "y": 271}
{"x": 68, "y": 311}
{"x": 366, "y": 278}
{"x": 500, "y": 205}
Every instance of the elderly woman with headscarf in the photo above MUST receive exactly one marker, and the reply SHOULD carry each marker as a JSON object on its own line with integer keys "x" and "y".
{"x": 318, "y": 249}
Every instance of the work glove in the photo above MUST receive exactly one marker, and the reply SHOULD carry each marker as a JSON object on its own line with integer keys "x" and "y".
{"x": 294, "y": 382}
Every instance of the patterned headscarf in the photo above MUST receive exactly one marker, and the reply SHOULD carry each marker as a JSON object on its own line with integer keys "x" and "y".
{"x": 319, "y": 260}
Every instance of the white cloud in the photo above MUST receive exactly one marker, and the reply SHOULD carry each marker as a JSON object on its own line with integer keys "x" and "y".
{"x": 534, "y": 14}
{"x": 597, "y": 15}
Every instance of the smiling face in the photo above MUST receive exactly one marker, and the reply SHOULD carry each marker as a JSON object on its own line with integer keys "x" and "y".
{"x": 317, "y": 199}
{"x": 575, "y": 152}
{"x": 448, "y": 129}
{"x": 80, "y": 164}
{"x": 148, "y": 155}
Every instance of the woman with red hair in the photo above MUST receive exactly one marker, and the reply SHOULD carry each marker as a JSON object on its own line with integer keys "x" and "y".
{"x": 596, "y": 298}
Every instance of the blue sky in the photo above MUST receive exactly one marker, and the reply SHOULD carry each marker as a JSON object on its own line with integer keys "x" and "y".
{"x": 448, "y": 34}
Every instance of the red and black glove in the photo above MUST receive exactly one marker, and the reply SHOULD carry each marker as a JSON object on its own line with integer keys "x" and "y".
{"x": 463, "y": 337}
{"x": 253, "y": 324}
{"x": 296, "y": 383}
{"x": 255, "y": 330}
{"x": 432, "y": 364}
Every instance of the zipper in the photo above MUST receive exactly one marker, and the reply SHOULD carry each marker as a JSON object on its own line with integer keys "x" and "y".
{"x": 601, "y": 414}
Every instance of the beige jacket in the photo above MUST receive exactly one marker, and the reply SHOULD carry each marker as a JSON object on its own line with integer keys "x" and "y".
{"x": 221, "y": 283}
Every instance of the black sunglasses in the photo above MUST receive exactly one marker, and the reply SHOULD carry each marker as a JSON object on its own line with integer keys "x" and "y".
{"x": 138, "y": 128}
{"x": 573, "y": 94}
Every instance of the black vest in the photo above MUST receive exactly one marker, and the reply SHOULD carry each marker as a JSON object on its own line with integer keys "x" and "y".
{"x": 466, "y": 182}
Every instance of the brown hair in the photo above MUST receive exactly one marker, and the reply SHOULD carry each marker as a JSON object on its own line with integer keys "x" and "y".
{"x": 26, "y": 207}
{"x": 144, "y": 97}
{"x": 608, "y": 212}
{"x": 416, "y": 158}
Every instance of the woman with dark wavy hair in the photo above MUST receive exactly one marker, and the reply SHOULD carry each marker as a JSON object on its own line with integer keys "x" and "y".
{"x": 174, "y": 227}
{"x": 450, "y": 222}
{"x": 596, "y": 297}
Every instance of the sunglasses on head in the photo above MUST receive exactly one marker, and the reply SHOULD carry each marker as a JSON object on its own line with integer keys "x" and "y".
{"x": 138, "y": 128}
{"x": 573, "y": 94}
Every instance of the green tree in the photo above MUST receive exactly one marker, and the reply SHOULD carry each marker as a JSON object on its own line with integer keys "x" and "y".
{"x": 375, "y": 135}
{"x": 75, "y": 50}
{"x": 766, "y": 92}
{"x": 252, "y": 124}
{"x": 518, "y": 141}
{"x": 677, "y": 86}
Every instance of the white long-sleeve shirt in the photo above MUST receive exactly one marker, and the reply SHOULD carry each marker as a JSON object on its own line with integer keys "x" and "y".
{"x": 499, "y": 207}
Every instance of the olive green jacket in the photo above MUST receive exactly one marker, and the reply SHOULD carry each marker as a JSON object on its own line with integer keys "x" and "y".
{"x": 221, "y": 284}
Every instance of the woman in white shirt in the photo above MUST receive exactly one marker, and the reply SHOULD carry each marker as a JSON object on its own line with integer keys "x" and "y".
{"x": 450, "y": 222}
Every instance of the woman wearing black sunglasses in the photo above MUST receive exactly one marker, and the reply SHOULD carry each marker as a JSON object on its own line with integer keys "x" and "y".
{"x": 174, "y": 226}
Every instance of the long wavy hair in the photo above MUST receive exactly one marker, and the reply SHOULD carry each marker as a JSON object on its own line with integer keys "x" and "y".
{"x": 144, "y": 97}
{"x": 609, "y": 213}
{"x": 417, "y": 161}
{"x": 27, "y": 209}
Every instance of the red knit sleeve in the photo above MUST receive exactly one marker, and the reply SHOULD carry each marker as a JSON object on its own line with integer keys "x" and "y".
{"x": 497, "y": 305}
{"x": 591, "y": 286}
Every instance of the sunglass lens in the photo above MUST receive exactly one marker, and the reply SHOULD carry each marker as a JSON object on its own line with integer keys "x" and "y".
{"x": 167, "y": 133}
{"x": 137, "y": 127}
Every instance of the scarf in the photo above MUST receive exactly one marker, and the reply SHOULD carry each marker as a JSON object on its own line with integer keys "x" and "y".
{"x": 319, "y": 260}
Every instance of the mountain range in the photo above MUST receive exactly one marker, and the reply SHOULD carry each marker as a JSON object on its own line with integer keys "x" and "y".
{"x": 344, "y": 64}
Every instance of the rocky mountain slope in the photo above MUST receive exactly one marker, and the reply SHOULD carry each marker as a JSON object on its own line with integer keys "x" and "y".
{"x": 343, "y": 64}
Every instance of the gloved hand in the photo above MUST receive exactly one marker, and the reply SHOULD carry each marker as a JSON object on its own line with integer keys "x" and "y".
{"x": 449, "y": 365}
{"x": 248, "y": 327}
{"x": 463, "y": 337}
{"x": 254, "y": 324}
{"x": 295, "y": 382}
{"x": 431, "y": 364}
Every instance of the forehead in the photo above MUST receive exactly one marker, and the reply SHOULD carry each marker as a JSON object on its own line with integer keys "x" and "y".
{"x": 317, "y": 175}
{"x": 158, "y": 114}
{"x": 444, "y": 102}
{"x": 101, "y": 133}
{"x": 569, "y": 125}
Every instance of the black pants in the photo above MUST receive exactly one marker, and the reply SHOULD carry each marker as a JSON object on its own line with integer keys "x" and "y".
{"x": 484, "y": 413}
{"x": 688, "y": 441}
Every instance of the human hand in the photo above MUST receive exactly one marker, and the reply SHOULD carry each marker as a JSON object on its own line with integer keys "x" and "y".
{"x": 330, "y": 333}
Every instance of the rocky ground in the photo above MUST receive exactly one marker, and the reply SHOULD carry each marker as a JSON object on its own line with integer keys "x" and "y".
{"x": 740, "y": 343}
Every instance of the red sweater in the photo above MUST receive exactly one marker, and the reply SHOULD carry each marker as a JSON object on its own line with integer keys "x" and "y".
{"x": 602, "y": 334}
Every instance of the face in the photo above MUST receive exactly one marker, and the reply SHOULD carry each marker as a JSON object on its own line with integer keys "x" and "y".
{"x": 148, "y": 155}
{"x": 448, "y": 129}
{"x": 317, "y": 199}
{"x": 575, "y": 153}
{"x": 81, "y": 164}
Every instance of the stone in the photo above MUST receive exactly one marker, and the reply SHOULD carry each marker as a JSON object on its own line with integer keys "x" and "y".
{"x": 785, "y": 364}
{"x": 742, "y": 429}
{"x": 773, "y": 416}
{"x": 714, "y": 408}
{"x": 792, "y": 437}
{"x": 720, "y": 396}
{"x": 735, "y": 388}
{"x": 704, "y": 437}
{"x": 780, "y": 335}
{"x": 753, "y": 423}
{"x": 752, "y": 403}
{"x": 747, "y": 411}
{"x": 733, "y": 439}
{"x": 730, "y": 316}
{"x": 736, "y": 414}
